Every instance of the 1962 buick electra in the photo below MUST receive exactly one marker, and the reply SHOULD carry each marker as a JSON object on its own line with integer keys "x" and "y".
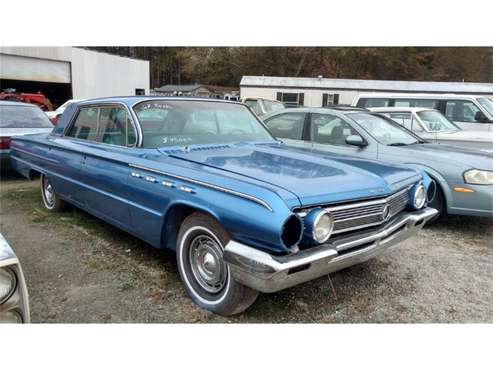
{"x": 205, "y": 178}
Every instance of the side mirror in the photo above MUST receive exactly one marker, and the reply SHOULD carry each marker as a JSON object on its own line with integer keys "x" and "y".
{"x": 480, "y": 117}
{"x": 355, "y": 140}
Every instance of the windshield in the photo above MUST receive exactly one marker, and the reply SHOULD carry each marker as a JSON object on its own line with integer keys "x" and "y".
{"x": 183, "y": 123}
{"x": 435, "y": 121}
{"x": 487, "y": 104}
{"x": 23, "y": 117}
{"x": 383, "y": 130}
{"x": 272, "y": 106}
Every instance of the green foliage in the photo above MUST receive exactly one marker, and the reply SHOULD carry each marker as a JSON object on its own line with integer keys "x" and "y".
{"x": 225, "y": 66}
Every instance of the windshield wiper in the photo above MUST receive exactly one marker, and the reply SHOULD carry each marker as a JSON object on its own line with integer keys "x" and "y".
{"x": 399, "y": 144}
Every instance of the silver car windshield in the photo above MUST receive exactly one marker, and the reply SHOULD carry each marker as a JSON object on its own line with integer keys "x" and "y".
{"x": 487, "y": 104}
{"x": 383, "y": 130}
{"x": 182, "y": 123}
{"x": 12, "y": 116}
{"x": 436, "y": 122}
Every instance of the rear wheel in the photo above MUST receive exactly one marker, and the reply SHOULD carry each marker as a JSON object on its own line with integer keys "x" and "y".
{"x": 204, "y": 273}
{"x": 50, "y": 199}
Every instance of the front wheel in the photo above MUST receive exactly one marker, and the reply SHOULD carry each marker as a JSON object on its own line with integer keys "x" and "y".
{"x": 439, "y": 204}
{"x": 51, "y": 201}
{"x": 204, "y": 273}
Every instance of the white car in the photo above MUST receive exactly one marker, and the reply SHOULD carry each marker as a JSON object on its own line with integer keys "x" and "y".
{"x": 433, "y": 126}
{"x": 14, "y": 300}
{"x": 55, "y": 114}
{"x": 262, "y": 106}
{"x": 19, "y": 119}
{"x": 469, "y": 112}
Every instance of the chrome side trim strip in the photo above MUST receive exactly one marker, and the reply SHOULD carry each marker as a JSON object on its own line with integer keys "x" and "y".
{"x": 34, "y": 154}
{"x": 207, "y": 185}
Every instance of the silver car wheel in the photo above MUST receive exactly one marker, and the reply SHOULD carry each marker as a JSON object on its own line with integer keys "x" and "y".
{"x": 48, "y": 193}
{"x": 206, "y": 261}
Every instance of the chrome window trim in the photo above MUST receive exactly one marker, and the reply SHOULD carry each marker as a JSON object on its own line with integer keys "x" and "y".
{"x": 137, "y": 130}
{"x": 205, "y": 184}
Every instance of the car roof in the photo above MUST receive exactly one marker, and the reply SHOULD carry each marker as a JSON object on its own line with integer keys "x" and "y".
{"x": 420, "y": 95}
{"x": 132, "y": 100}
{"x": 16, "y": 103}
{"x": 399, "y": 109}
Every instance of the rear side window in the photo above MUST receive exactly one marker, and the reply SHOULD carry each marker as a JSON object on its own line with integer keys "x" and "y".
{"x": 85, "y": 126}
{"x": 420, "y": 103}
{"x": 287, "y": 125}
{"x": 23, "y": 117}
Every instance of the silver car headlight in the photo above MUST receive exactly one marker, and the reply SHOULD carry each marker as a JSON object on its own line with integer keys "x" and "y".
{"x": 8, "y": 283}
{"x": 319, "y": 224}
{"x": 478, "y": 177}
{"x": 419, "y": 198}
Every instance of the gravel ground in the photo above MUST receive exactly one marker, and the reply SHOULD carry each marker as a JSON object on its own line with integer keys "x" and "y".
{"x": 81, "y": 270}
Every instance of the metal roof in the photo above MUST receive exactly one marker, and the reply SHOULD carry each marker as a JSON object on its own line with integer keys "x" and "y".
{"x": 182, "y": 88}
{"x": 367, "y": 85}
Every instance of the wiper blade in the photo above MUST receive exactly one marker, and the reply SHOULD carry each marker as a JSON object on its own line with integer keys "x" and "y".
{"x": 398, "y": 144}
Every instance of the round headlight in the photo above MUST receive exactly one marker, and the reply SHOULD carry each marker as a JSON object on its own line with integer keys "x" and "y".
{"x": 8, "y": 282}
{"x": 319, "y": 225}
{"x": 11, "y": 317}
{"x": 419, "y": 197}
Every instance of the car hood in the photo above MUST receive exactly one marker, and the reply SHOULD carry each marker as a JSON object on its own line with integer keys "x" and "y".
{"x": 313, "y": 178}
{"x": 431, "y": 154}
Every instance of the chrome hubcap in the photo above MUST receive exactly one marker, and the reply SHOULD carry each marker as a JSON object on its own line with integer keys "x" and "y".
{"x": 49, "y": 193}
{"x": 206, "y": 260}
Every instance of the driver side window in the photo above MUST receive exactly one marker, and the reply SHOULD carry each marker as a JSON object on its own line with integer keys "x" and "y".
{"x": 461, "y": 111}
{"x": 329, "y": 129}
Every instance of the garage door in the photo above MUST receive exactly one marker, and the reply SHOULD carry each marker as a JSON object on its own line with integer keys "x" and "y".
{"x": 13, "y": 67}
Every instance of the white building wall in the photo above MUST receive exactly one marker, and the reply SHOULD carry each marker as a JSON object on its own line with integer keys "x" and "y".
{"x": 97, "y": 74}
{"x": 312, "y": 98}
{"x": 92, "y": 74}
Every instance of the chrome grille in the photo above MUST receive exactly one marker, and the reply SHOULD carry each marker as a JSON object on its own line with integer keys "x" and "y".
{"x": 365, "y": 214}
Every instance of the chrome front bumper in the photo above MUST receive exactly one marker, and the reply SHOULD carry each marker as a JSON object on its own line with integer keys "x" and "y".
{"x": 268, "y": 273}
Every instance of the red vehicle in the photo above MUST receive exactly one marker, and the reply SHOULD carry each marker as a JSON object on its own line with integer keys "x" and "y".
{"x": 34, "y": 98}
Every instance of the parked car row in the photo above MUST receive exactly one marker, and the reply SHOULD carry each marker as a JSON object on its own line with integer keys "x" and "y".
{"x": 470, "y": 112}
{"x": 464, "y": 177}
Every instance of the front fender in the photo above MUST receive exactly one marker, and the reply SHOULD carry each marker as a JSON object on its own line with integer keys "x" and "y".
{"x": 439, "y": 179}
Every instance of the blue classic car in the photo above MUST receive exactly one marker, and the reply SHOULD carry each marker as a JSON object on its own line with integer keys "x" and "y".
{"x": 464, "y": 177}
{"x": 205, "y": 178}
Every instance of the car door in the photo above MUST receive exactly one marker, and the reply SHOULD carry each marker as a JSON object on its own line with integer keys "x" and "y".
{"x": 464, "y": 113}
{"x": 329, "y": 132}
{"x": 105, "y": 165}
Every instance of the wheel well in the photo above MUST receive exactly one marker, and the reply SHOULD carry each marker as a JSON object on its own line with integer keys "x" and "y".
{"x": 33, "y": 174}
{"x": 172, "y": 222}
{"x": 439, "y": 189}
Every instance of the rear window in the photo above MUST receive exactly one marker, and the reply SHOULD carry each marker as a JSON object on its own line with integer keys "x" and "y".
{"x": 23, "y": 117}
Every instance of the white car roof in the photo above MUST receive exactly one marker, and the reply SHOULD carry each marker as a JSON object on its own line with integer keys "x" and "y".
{"x": 399, "y": 109}
{"x": 423, "y": 95}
